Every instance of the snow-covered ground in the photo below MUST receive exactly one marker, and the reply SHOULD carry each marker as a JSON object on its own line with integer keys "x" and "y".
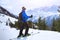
{"x": 7, "y": 33}
{"x": 41, "y": 35}
{"x": 11, "y": 33}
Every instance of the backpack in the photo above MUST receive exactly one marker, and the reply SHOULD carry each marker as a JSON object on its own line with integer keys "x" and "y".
{"x": 20, "y": 16}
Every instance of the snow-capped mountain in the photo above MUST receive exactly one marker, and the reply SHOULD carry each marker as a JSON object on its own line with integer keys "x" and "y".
{"x": 47, "y": 12}
{"x": 14, "y": 7}
{"x": 44, "y": 12}
{"x": 52, "y": 8}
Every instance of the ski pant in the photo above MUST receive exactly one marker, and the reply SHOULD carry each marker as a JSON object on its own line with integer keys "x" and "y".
{"x": 22, "y": 26}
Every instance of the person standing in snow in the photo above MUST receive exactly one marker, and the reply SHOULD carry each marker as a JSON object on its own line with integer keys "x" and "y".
{"x": 23, "y": 22}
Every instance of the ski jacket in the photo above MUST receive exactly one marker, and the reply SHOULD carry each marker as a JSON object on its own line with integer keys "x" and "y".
{"x": 24, "y": 16}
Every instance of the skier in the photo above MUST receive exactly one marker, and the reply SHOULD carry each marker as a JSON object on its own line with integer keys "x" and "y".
{"x": 23, "y": 22}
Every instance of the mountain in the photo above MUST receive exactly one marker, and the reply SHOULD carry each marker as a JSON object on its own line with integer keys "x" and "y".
{"x": 47, "y": 13}
{"x": 53, "y": 8}
{"x": 43, "y": 12}
{"x": 6, "y": 12}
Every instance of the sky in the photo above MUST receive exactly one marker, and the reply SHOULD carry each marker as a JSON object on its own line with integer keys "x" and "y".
{"x": 30, "y": 4}
{"x": 39, "y": 3}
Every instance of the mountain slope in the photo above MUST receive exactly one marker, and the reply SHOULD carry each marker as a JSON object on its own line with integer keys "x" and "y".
{"x": 6, "y": 12}
{"x": 11, "y": 34}
{"x": 41, "y": 35}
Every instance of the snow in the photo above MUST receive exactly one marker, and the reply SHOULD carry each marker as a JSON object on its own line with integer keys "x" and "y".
{"x": 41, "y": 35}
{"x": 7, "y": 33}
{"x": 14, "y": 6}
{"x": 11, "y": 33}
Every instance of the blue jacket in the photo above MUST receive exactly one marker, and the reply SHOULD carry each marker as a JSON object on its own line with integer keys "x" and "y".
{"x": 24, "y": 16}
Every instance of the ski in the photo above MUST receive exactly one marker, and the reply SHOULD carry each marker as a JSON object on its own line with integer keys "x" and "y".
{"x": 25, "y": 36}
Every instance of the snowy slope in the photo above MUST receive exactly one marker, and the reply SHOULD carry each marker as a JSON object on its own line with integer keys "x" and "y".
{"x": 7, "y": 33}
{"x": 11, "y": 34}
{"x": 41, "y": 35}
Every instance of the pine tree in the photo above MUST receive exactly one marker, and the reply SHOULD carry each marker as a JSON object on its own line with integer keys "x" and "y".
{"x": 41, "y": 24}
{"x": 57, "y": 27}
{"x": 54, "y": 24}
